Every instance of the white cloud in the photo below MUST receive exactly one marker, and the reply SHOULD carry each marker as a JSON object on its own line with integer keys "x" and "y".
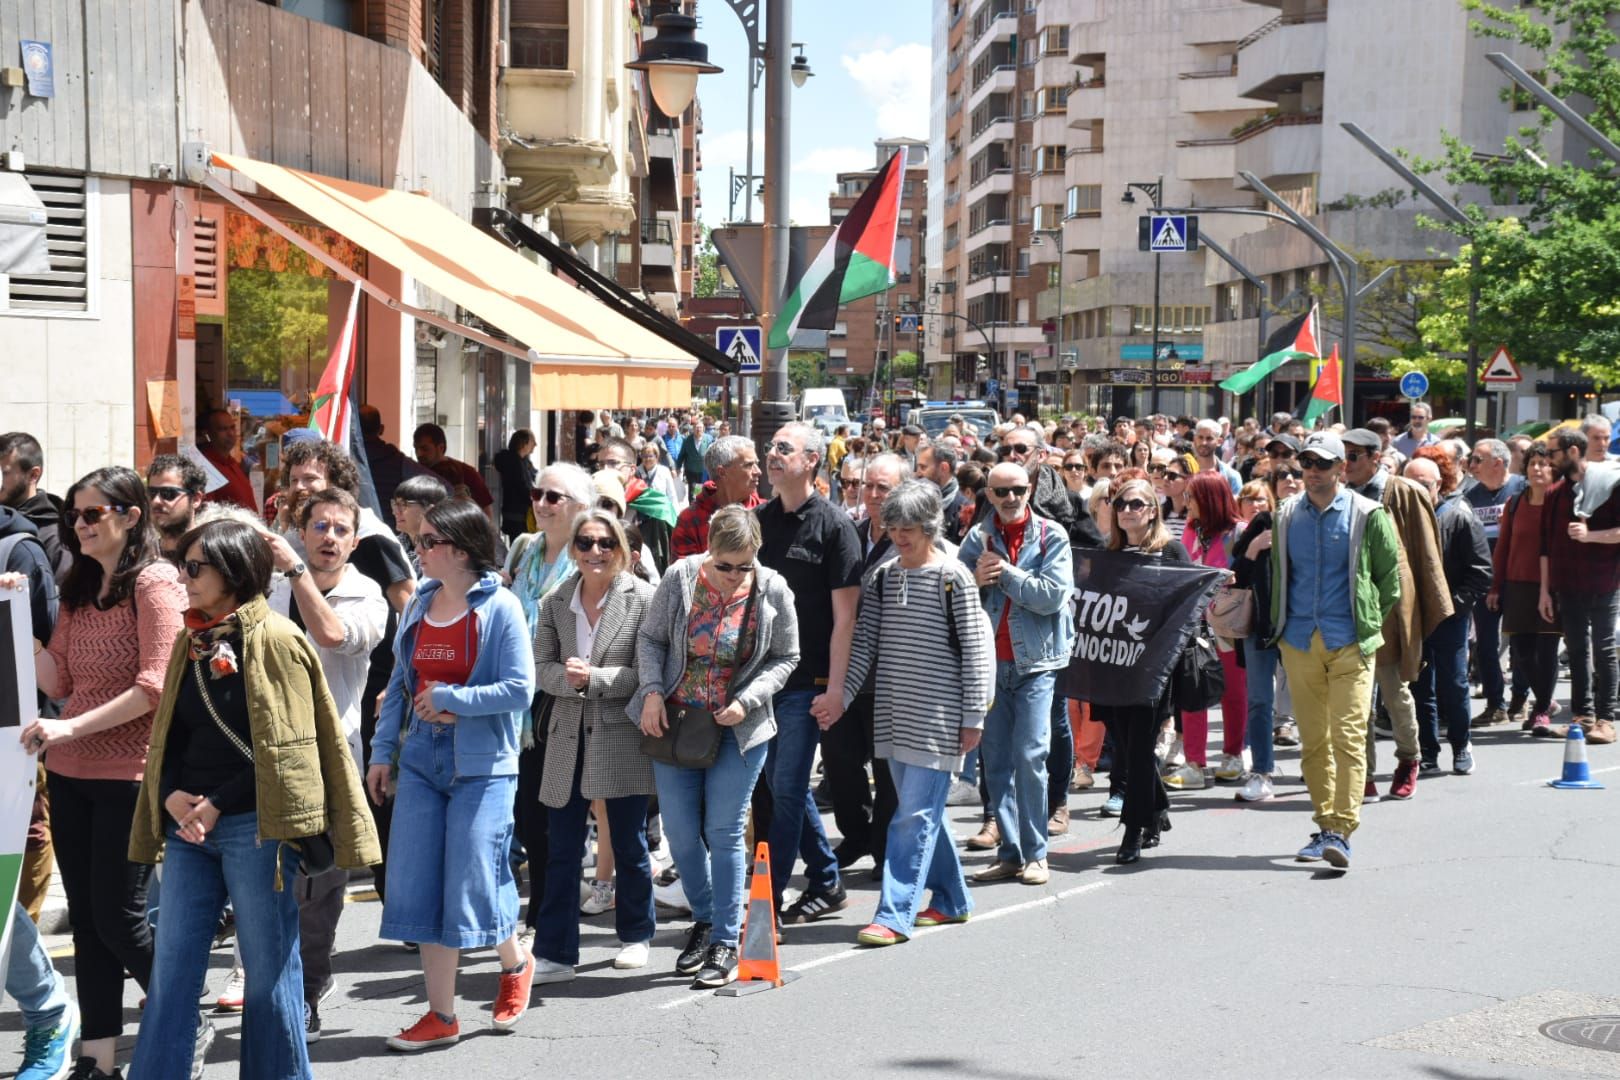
{"x": 895, "y": 84}
{"x": 831, "y": 160}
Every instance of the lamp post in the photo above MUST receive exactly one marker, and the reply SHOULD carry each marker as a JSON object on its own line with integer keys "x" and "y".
{"x": 989, "y": 341}
{"x": 1154, "y": 192}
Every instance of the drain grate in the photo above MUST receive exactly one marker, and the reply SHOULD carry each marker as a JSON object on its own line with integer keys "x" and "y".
{"x": 1590, "y": 1032}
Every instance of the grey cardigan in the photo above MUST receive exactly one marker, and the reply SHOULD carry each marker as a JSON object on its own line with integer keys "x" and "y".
{"x": 766, "y": 671}
{"x": 592, "y": 722}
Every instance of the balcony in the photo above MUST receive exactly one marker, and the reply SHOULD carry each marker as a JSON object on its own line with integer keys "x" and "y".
{"x": 1212, "y": 91}
{"x": 1280, "y": 56}
{"x": 1001, "y": 80}
{"x": 1001, "y": 129}
{"x": 657, "y": 242}
{"x": 1281, "y": 147}
{"x": 1083, "y": 166}
{"x": 1206, "y": 159}
{"x": 992, "y": 234}
{"x": 1086, "y": 103}
{"x": 984, "y": 285}
{"x": 995, "y": 182}
{"x": 1086, "y": 41}
{"x": 1216, "y": 26}
{"x": 1083, "y": 233}
{"x": 664, "y": 143}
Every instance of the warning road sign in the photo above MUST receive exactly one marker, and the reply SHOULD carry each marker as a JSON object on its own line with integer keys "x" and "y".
{"x": 1167, "y": 232}
{"x": 1502, "y": 368}
{"x": 743, "y": 344}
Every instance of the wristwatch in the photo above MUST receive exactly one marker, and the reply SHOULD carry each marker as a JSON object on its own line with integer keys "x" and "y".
{"x": 296, "y": 572}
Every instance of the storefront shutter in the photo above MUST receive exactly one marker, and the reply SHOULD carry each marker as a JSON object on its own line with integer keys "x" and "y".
{"x": 67, "y": 286}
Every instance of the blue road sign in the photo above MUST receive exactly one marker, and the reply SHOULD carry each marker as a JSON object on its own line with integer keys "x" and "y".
{"x": 907, "y": 324}
{"x": 743, "y": 344}
{"x": 992, "y": 387}
{"x": 1414, "y": 384}
{"x": 1169, "y": 233}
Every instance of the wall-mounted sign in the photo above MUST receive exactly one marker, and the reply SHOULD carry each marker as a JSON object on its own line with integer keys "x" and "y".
{"x": 39, "y": 69}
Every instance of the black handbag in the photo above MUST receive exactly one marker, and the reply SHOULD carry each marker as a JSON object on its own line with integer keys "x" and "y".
{"x": 1199, "y": 679}
{"x": 691, "y": 738}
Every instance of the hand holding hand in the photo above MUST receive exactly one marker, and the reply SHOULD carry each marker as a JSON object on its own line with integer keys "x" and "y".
{"x": 1578, "y": 532}
{"x": 577, "y": 672}
{"x": 827, "y": 708}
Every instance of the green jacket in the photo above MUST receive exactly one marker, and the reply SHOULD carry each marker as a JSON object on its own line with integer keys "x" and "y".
{"x": 1374, "y": 569}
{"x": 305, "y": 778}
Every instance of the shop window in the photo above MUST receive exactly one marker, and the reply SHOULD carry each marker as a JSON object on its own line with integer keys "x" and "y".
{"x": 539, "y": 33}
{"x": 70, "y": 239}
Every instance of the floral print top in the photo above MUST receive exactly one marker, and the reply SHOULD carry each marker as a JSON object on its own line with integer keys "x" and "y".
{"x": 713, "y": 632}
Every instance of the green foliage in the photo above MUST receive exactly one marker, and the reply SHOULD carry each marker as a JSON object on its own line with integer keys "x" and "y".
{"x": 274, "y": 321}
{"x": 706, "y": 278}
{"x": 806, "y": 369}
{"x": 906, "y": 365}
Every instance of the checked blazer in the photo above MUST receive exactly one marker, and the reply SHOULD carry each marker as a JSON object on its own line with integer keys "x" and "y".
{"x": 595, "y": 719}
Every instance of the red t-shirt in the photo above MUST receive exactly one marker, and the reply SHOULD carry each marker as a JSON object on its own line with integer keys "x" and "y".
{"x": 238, "y": 489}
{"x": 446, "y": 654}
{"x": 1013, "y": 536}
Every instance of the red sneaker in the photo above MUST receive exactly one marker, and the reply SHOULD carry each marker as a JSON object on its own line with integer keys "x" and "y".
{"x": 1405, "y": 780}
{"x": 512, "y": 1001}
{"x": 1370, "y": 792}
{"x": 935, "y": 917}
{"x": 426, "y": 1033}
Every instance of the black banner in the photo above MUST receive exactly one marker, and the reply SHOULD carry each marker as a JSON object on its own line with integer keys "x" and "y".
{"x": 1132, "y": 617}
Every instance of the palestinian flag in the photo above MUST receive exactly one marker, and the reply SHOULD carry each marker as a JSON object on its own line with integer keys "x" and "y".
{"x": 857, "y": 261}
{"x": 1328, "y": 392}
{"x": 649, "y": 502}
{"x": 331, "y": 410}
{"x": 1297, "y": 339}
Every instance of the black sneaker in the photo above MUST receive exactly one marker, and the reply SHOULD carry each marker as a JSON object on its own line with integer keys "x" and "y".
{"x": 719, "y": 968}
{"x": 697, "y": 943}
{"x": 815, "y": 905}
{"x": 85, "y": 1067}
{"x": 199, "y": 1053}
{"x": 312, "y": 1021}
{"x": 1427, "y": 767}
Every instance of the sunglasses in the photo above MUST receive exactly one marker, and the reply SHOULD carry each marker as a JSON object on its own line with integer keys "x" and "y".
{"x": 92, "y": 514}
{"x": 194, "y": 567}
{"x": 1009, "y": 449}
{"x": 429, "y": 541}
{"x": 733, "y": 568}
{"x": 1294, "y": 474}
{"x": 1317, "y": 464}
{"x": 1018, "y": 490}
{"x": 166, "y": 492}
{"x": 333, "y": 528}
{"x": 1134, "y": 506}
{"x": 589, "y": 543}
{"x": 785, "y": 448}
{"x": 546, "y": 496}
{"x": 1074, "y": 466}
{"x": 1474, "y": 459}
{"x": 1352, "y": 455}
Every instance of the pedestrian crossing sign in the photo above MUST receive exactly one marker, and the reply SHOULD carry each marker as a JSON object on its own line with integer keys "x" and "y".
{"x": 1160, "y": 233}
{"x": 743, "y": 344}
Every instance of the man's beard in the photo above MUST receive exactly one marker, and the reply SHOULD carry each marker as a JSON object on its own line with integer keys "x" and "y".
{"x": 174, "y": 530}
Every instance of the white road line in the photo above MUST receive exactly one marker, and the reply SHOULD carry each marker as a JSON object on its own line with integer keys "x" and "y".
{"x": 1543, "y": 783}
{"x": 1011, "y": 909}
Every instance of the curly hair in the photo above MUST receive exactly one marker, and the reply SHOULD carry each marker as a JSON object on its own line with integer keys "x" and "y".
{"x": 340, "y": 468}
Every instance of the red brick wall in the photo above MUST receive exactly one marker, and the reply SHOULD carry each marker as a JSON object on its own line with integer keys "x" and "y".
{"x": 397, "y": 23}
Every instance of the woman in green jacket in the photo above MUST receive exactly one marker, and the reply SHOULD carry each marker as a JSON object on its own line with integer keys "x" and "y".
{"x": 248, "y": 766}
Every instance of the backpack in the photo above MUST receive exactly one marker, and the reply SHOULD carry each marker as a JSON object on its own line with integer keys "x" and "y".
{"x": 952, "y": 632}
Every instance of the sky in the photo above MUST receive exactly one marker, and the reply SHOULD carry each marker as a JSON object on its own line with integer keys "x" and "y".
{"x": 871, "y": 65}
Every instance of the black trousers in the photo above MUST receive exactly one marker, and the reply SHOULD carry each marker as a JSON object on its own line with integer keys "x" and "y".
{"x": 530, "y": 821}
{"x": 846, "y": 750}
{"x": 1134, "y": 730}
{"x": 1535, "y": 659}
{"x": 106, "y": 895}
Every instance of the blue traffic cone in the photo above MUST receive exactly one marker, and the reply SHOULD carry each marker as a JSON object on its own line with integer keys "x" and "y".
{"x": 1577, "y": 773}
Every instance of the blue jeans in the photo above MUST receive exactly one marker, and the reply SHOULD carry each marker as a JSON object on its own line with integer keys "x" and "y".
{"x": 1060, "y": 758}
{"x": 1017, "y": 733}
{"x": 920, "y": 854}
{"x": 32, "y": 982}
{"x": 1441, "y": 689}
{"x": 450, "y": 879}
{"x": 556, "y": 935}
{"x": 795, "y": 822}
{"x": 1261, "y": 675}
{"x": 705, "y": 818}
{"x": 970, "y": 766}
{"x": 1488, "y": 653}
{"x": 196, "y": 880}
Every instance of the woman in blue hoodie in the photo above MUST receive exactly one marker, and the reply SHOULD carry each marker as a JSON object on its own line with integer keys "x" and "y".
{"x": 463, "y": 674}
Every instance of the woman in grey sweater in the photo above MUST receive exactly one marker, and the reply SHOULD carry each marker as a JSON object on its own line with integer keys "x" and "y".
{"x": 930, "y": 707}
{"x": 721, "y": 635}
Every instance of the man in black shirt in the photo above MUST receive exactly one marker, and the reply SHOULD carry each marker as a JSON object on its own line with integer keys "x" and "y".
{"x": 812, "y": 544}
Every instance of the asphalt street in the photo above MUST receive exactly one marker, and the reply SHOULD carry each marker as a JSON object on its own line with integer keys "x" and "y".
{"x": 1473, "y": 915}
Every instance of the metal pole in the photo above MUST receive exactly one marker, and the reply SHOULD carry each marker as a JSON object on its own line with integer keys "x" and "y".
{"x": 1471, "y": 394}
{"x": 1556, "y": 104}
{"x": 773, "y": 408}
{"x": 1158, "y": 268}
{"x": 1249, "y": 276}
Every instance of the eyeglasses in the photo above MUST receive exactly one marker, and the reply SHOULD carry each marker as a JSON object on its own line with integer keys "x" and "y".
{"x": 733, "y": 568}
{"x": 1474, "y": 459}
{"x": 1009, "y": 449}
{"x": 92, "y": 514}
{"x": 1133, "y": 506}
{"x": 429, "y": 541}
{"x": 1317, "y": 464}
{"x": 588, "y": 543}
{"x": 332, "y": 528}
{"x": 166, "y": 492}
{"x": 547, "y": 496}
{"x": 194, "y": 567}
{"x": 1293, "y": 474}
{"x": 1075, "y": 466}
{"x": 785, "y": 448}
{"x": 1017, "y": 490}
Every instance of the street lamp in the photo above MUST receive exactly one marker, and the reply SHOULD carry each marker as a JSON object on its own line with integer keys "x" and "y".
{"x": 801, "y": 67}
{"x": 672, "y": 61}
{"x": 1155, "y": 192}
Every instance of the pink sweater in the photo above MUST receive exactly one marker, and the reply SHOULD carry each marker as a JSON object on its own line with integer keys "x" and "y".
{"x": 99, "y": 655}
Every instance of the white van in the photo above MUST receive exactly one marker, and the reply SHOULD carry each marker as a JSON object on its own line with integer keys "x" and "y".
{"x": 825, "y": 407}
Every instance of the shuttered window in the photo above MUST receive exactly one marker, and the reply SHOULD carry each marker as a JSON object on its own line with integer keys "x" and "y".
{"x": 205, "y": 257}
{"x": 539, "y": 33}
{"x": 67, "y": 237}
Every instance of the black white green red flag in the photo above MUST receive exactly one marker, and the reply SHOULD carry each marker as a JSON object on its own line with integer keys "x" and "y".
{"x": 1295, "y": 340}
{"x": 857, "y": 261}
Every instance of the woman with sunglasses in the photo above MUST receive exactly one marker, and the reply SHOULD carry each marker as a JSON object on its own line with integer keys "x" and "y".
{"x": 538, "y": 563}
{"x": 121, "y": 607}
{"x": 1138, "y": 527}
{"x": 231, "y": 786}
{"x": 1074, "y": 473}
{"x": 585, "y": 658}
{"x": 412, "y": 499}
{"x": 1212, "y": 529}
{"x": 720, "y": 634}
{"x": 463, "y": 674}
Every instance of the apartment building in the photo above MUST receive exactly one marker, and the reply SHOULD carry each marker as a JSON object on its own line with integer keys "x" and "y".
{"x": 867, "y": 333}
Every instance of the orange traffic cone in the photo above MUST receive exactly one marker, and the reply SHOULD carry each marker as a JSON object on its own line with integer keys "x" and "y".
{"x": 759, "y": 967}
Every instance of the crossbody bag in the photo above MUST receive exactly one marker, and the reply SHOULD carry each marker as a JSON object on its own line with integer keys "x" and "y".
{"x": 691, "y": 738}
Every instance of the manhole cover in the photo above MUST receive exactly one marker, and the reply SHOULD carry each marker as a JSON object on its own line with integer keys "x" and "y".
{"x": 1591, "y": 1032}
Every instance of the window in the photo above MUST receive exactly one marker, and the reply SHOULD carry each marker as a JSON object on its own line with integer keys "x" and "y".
{"x": 433, "y": 37}
{"x": 1023, "y": 210}
{"x": 1025, "y": 152}
{"x": 1049, "y": 159}
{"x": 1028, "y": 100}
{"x": 1051, "y": 99}
{"x": 1023, "y": 262}
{"x": 1032, "y": 51}
{"x": 905, "y": 215}
{"x": 1055, "y": 39}
{"x": 1084, "y": 200}
{"x": 71, "y": 243}
{"x": 539, "y": 33}
{"x": 686, "y": 208}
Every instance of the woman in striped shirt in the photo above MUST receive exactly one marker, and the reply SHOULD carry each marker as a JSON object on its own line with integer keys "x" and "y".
{"x": 909, "y": 605}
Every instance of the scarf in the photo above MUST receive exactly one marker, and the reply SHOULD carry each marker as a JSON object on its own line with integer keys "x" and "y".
{"x": 532, "y": 579}
{"x": 210, "y": 640}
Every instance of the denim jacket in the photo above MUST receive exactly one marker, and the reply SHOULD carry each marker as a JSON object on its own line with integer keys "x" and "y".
{"x": 489, "y": 708}
{"x": 1040, "y": 586}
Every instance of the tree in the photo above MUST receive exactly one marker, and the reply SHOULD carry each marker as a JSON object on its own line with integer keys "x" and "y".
{"x": 805, "y": 369}
{"x": 906, "y": 365}
{"x": 274, "y": 321}
{"x": 706, "y": 279}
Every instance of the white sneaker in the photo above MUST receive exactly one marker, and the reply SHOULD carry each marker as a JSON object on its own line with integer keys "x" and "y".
{"x": 633, "y": 955}
{"x": 962, "y": 793}
{"x": 1177, "y": 754}
{"x": 1185, "y": 777}
{"x": 600, "y": 900}
{"x": 671, "y": 897}
{"x": 231, "y": 998}
{"x": 1231, "y": 768}
{"x": 1256, "y": 788}
{"x": 549, "y": 971}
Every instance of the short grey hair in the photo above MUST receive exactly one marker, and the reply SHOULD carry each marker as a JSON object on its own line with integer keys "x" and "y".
{"x": 1036, "y": 431}
{"x": 1209, "y": 425}
{"x": 734, "y": 528}
{"x": 724, "y": 451}
{"x": 815, "y": 440}
{"x": 858, "y": 464}
{"x": 1494, "y": 447}
{"x": 1592, "y": 420}
{"x": 575, "y": 482}
{"x": 950, "y": 455}
{"x": 1427, "y": 411}
{"x": 886, "y": 460}
{"x": 914, "y": 504}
